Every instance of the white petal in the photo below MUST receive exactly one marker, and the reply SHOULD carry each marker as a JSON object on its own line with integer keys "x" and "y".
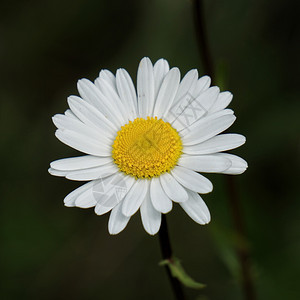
{"x": 204, "y": 163}
{"x": 151, "y": 218}
{"x": 127, "y": 92}
{"x": 172, "y": 188}
{"x": 93, "y": 173}
{"x": 183, "y": 98}
{"x": 110, "y": 191}
{"x": 219, "y": 143}
{"x": 207, "y": 98}
{"x": 89, "y": 92}
{"x": 192, "y": 180}
{"x": 190, "y": 112}
{"x": 70, "y": 199}
{"x": 108, "y": 76}
{"x": 82, "y": 143}
{"x": 186, "y": 85}
{"x": 196, "y": 208}
{"x": 110, "y": 93}
{"x": 238, "y": 165}
{"x": 145, "y": 88}
{"x": 135, "y": 197}
{"x": 63, "y": 122}
{"x": 167, "y": 93}
{"x": 79, "y": 162}
{"x": 86, "y": 199}
{"x": 101, "y": 210}
{"x": 58, "y": 173}
{"x": 92, "y": 94}
{"x": 196, "y": 89}
{"x": 203, "y": 84}
{"x": 222, "y": 102}
{"x": 117, "y": 221}
{"x": 207, "y": 127}
{"x": 70, "y": 114}
{"x": 89, "y": 115}
{"x": 160, "y": 200}
{"x": 161, "y": 68}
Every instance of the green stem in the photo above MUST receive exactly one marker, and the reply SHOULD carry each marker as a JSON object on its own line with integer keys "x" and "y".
{"x": 241, "y": 250}
{"x": 167, "y": 254}
{"x": 202, "y": 40}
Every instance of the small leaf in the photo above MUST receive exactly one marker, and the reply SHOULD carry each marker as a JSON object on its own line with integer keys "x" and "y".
{"x": 178, "y": 272}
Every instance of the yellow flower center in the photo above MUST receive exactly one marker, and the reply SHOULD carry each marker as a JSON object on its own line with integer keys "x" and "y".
{"x": 146, "y": 148}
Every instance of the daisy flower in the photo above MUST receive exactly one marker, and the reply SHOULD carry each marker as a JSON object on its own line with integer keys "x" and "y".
{"x": 145, "y": 148}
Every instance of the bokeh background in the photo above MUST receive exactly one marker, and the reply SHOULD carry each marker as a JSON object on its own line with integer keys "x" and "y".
{"x": 49, "y": 251}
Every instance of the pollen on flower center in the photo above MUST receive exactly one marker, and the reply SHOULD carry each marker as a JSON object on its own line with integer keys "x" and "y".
{"x": 146, "y": 148}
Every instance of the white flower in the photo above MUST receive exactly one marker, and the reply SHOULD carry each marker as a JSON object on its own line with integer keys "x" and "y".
{"x": 144, "y": 149}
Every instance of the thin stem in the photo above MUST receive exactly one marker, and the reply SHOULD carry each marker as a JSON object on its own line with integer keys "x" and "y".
{"x": 166, "y": 251}
{"x": 202, "y": 38}
{"x": 234, "y": 201}
{"x": 242, "y": 250}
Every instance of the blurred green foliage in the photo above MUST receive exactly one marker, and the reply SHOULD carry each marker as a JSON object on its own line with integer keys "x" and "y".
{"x": 52, "y": 252}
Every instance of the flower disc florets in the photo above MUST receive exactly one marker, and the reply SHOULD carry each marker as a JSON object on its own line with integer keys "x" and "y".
{"x": 146, "y": 148}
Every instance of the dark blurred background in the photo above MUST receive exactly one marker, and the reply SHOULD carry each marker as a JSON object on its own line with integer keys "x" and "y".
{"x": 49, "y": 251}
